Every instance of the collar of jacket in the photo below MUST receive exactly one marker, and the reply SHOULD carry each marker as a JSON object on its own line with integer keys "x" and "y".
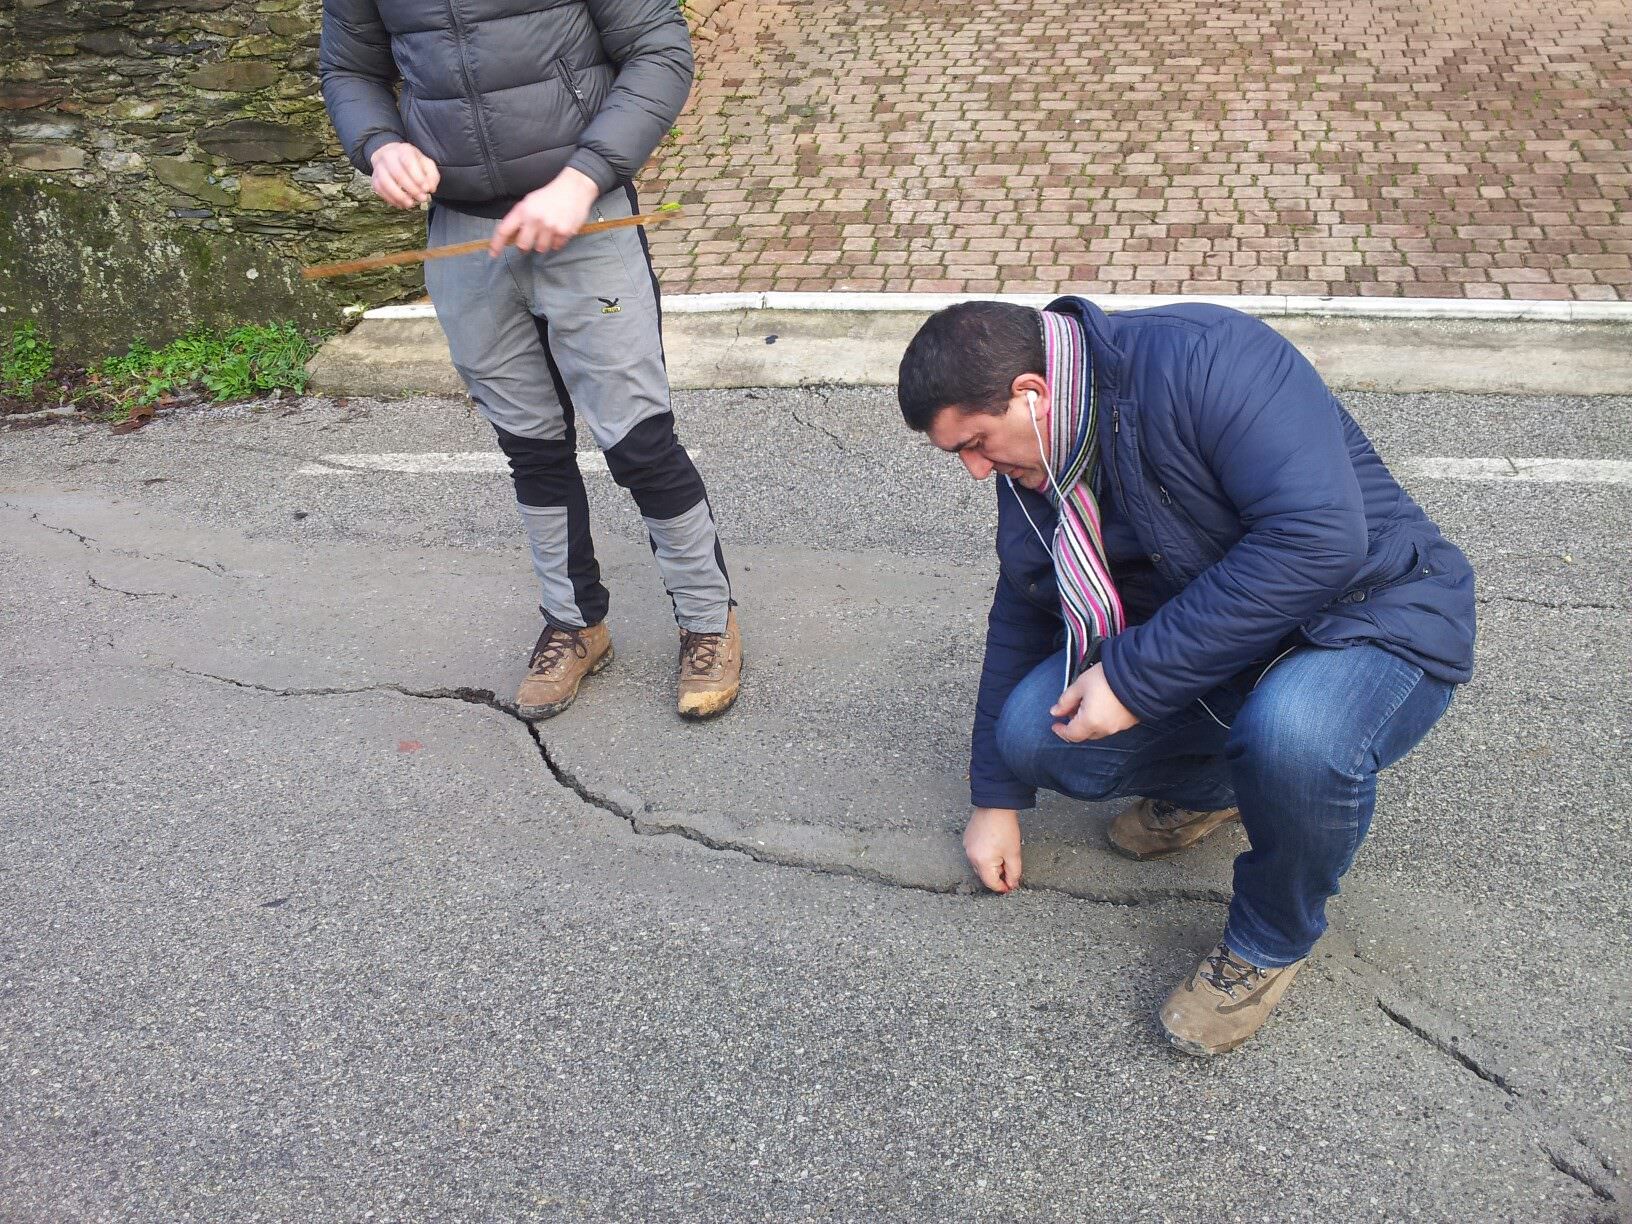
{"x": 1109, "y": 359}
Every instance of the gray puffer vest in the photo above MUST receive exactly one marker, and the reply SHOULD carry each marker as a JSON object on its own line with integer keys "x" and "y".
{"x": 504, "y": 94}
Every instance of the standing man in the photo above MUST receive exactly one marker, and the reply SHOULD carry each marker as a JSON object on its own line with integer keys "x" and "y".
{"x": 1212, "y": 596}
{"x": 518, "y": 121}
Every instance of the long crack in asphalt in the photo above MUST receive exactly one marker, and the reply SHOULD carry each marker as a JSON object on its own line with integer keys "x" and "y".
{"x": 1410, "y": 1015}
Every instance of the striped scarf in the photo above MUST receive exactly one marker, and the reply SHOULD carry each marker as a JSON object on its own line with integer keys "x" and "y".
{"x": 1088, "y": 597}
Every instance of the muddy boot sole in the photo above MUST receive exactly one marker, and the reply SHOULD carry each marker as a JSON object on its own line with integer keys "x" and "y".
{"x": 1149, "y": 856}
{"x": 1194, "y": 1048}
{"x": 703, "y": 706}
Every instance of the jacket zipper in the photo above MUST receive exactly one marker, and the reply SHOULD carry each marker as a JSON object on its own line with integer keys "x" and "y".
{"x": 1127, "y": 495}
{"x": 577, "y": 94}
{"x": 475, "y": 98}
{"x": 1202, "y": 537}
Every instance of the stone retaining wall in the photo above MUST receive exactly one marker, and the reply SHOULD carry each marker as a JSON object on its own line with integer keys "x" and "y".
{"x": 168, "y": 163}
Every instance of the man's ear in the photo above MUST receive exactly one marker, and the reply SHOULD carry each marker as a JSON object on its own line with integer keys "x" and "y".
{"x": 1025, "y": 385}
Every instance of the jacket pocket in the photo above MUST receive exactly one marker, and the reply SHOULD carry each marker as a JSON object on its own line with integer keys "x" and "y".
{"x": 1209, "y": 547}
{"x": 574, "y": 89}
{"x": 1035, "y": 586}
{"x": 1370, "y": 590}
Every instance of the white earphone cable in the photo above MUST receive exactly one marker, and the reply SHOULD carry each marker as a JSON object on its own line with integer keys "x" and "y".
{"x": 1042, "y": 453}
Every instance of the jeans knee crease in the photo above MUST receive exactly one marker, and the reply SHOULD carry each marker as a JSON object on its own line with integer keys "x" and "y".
{"x": 1363, "y": 749}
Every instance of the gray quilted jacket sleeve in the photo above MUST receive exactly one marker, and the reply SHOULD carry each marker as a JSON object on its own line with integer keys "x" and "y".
{"x": 357, "y": 71}
{"x": 649, "y": 43}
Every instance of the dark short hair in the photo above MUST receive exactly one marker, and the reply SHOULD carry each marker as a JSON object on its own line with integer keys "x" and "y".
{"x": 968, "y": 355}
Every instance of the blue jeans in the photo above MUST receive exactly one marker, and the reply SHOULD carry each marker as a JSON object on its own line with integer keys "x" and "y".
{"x": 1300, "y": 758}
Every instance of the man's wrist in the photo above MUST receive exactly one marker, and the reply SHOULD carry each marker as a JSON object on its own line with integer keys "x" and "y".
{"x": 373, "y": 145}
{"x": 579, "y": 183}
{"x": 595, "y": 168}
{"x": 1003, "y": 799}
{"x": 1114, "y": 679}
{"x": 995, "y": 813}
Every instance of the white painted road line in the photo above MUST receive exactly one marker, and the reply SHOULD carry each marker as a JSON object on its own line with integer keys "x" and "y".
{"x": 1553, "y": 471}
{"x": 445, "y": 462}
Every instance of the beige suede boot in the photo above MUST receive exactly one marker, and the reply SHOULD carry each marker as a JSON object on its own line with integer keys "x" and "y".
{"x": 710, "y": 670}
{"x": 560, "y": 661}
{"x": 1154, "y": 828}
{"x": 1223, "y": 1002}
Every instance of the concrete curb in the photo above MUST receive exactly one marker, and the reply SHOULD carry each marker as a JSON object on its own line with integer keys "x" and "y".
{"x": 1263, "y": 306}
{"x": 722, "y": 340}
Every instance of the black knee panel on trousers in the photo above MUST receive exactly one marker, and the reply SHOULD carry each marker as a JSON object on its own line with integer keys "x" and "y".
{"x": 654, "y": 467}
{"x": 545, "y": 470}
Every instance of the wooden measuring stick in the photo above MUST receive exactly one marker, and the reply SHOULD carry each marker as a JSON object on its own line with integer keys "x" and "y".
{"x": 320, "y": 271}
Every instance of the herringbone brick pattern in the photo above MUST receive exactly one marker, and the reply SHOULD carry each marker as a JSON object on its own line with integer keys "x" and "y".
{"x": 1376, "y": 147}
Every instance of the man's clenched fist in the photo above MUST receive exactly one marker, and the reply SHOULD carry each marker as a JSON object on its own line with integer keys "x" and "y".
{"x": 403, "y": 176}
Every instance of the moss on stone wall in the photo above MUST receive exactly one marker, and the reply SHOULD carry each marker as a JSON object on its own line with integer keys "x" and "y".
{"x": 166, "y": 163}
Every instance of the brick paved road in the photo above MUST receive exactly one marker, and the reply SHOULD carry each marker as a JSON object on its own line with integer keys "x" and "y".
{"x": 1325, "y": 147}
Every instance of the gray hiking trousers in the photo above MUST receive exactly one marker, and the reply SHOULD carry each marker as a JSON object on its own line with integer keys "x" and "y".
{"x": 542, "y": 340}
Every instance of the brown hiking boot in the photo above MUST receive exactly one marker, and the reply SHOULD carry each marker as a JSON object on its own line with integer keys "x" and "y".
{"x": 1223, "y": 1002}
{"x": 560, "y": 661}
{"x": 1154, "y": 828}
{"x": 710, "y": 670}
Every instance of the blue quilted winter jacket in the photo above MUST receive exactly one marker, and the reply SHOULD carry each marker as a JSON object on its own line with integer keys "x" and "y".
{"x": 1263, "y": 510}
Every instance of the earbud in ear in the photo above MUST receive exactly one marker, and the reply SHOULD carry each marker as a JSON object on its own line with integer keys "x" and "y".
{"x": 1031, "y": 403}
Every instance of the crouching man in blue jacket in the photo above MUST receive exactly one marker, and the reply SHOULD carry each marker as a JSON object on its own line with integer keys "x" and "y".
{"x": 1212, "y": 597}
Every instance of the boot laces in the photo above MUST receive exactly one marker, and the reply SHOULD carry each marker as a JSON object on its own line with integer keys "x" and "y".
{"x": 1164, "y": 814}
{"x": 701, "y": 652}
{"x": 1226, "y": 972}
{"x": 553, "y": 646}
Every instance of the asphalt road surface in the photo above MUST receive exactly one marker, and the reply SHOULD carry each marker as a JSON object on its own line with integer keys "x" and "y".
{"x": 300, "y": 923}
